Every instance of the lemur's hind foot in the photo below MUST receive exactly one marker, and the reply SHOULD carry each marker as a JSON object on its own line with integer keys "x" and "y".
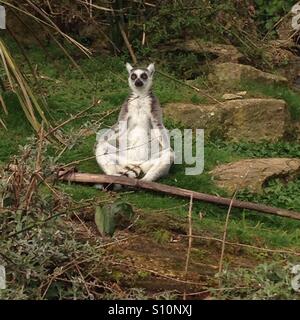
{"x": 129, "y": 171}
{"x": 109, "y": 186}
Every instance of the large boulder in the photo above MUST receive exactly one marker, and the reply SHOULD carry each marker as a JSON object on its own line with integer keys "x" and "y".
{"x": 231, "y": 73}
{"x": 236, "y": 120}
{"x": 253, "y": 174}
{"x": 216, "y": 52}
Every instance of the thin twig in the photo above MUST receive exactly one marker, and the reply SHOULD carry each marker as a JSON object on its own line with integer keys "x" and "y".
{"x": 156, "y": 273}
{"x": 189, "y": 246}
{"x": 190, "y": 86}
{"x": 128, "y": 45}
{"x": 224, "y": 238}
{"x": 77, "y": 162}
{"x": 217, "y": 289}
{"x": 38, "y": 166}
{"x": 41, "y": 222}
{"x": 83, "y": 280}
{"x": 72, "y": 118}
{"x": 243, "y": 245}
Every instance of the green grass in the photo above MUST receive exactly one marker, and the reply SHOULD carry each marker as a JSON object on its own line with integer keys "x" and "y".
{"x": 67, "y": 93}
{"x": 18, "y": 128}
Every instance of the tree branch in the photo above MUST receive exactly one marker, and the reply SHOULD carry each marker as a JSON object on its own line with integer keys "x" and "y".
{"x": 185, "y": 193}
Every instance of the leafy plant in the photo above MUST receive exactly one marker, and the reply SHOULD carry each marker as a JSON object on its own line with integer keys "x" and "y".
{"x": 268, "y": 281}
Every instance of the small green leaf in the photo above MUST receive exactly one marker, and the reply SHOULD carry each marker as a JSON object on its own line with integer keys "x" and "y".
{"x": 116, "y": 215}
{"x": 105, "y": 221}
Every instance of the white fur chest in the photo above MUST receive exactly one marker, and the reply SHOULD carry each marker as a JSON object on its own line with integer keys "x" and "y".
{"x": 138, "y": 131}
{"x": 139, "y": 111}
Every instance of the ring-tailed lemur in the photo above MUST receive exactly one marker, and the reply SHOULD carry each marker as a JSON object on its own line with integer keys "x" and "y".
{"x": 140, "y": 124}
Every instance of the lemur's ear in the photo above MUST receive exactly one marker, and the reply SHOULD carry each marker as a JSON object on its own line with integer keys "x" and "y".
{"x": 151, "y": 68}
{"x": 129, "y": 67}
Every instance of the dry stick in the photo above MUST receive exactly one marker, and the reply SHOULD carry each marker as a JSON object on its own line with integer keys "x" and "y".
{"x": 189, "y": 247}
{"x": 243, "y": 245}
{"x": 83, "y": 280}
{"x": 128, "y": 45}
{"x": 144, "y": 35}
{"x": 71, "y": 119}
{"x": 190, "y": 86}
{"x": 224, "y": 238}
{"x": 156, "y": 273}
{"x": 77, "y": 162}
{"x": 38, "y": 165}
{"x": 98, "y": 7}
{"x": 89, "y": 232}
{"x": 3, "y": 124}
{"x": 216, "y": 290}
{"x": 146, "y": 3}
{"x": 154, "y": 186}
{"x": 275, "y": 25}
{"x": 48, "y": 185}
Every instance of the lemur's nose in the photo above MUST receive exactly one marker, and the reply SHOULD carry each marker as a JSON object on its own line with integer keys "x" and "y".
{"x": 138, "y": 83}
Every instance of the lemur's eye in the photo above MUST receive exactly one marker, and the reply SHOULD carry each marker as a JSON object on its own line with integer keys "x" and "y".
{"x": 133, "y": 76}
{"x": 144, "y": 76}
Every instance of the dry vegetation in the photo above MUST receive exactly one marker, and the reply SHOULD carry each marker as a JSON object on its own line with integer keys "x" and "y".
{"x": 59, "y": 85}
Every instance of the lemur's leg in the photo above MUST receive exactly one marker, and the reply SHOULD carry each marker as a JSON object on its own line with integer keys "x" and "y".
{"x": 107, "y": 153}
{"x": 112, "y": 163}
{"x": 158, "y": 167}
{"x": 107, "y": 157}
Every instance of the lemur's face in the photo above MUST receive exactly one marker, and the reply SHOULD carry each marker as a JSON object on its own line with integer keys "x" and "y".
{"x": 140, "y": 79}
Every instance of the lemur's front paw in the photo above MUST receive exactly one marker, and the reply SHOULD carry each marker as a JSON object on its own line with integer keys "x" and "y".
{"x": 147, "y": 178}
{"x": 131, "y": 174}
{"x": 131, "y": 171}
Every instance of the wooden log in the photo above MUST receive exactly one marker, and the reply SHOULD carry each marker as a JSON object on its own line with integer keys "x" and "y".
{"x": 174, "y": 191}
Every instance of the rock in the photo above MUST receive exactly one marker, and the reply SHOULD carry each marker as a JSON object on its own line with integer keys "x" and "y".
{"x": 253, "y": 174}
{"x": 223, "y": 52}
{"x": 235, "y": 120}
{"x": 218, "y": 52}
{"x": 228, "y": 73}
{"x": 234, "y": 96}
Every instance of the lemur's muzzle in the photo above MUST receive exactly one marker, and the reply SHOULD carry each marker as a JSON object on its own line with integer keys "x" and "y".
{"x": 138, "y": 83}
